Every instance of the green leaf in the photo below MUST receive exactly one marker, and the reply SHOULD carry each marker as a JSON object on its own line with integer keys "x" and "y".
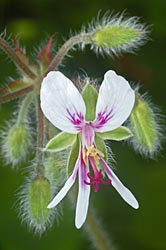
{"x": 100, "y": 145}
{"x": 90, "y": 95}
{"x": 118, "y": 134}
{"x": 61, "y": 141}
{"x": 73, "y": 156}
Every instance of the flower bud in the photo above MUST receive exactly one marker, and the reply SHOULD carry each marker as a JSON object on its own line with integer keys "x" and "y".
{"x": 34, "y": 199}
{"x": 15, "y": 144}
{"x": 39, "y": 196}
{"x": 145, "y": 128}
{"x": 117, "y": 34}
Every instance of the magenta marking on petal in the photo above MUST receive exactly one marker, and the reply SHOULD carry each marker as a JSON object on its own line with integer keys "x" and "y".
{"x": 103, "y": 117}
{"x": 83, "y": 173}
{"x": 76, "y": 118}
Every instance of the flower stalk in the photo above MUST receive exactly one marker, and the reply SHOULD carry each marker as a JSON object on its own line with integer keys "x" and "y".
{"x": 40, "y": 130}
{"x": 96, "y": 233}
{"x": 94, "y": 228}
{"x": 24, "y": 108}
{"x": 69, "y": 44}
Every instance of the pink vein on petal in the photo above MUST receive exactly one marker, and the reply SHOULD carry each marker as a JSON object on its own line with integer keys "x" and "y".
{"x": 103, "y": 117}
{"x": 76, "y": 118}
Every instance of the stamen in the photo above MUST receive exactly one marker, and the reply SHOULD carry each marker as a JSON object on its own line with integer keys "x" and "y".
{"x": 95, "y": 153}
{"x": 84, "y": 155}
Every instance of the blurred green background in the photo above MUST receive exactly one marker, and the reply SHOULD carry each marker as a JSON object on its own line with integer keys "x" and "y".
{"x": 144, "y": 229}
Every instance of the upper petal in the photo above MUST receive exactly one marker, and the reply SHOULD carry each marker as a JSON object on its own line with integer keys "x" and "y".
{"x": 62, "y": 103}
{"x": 115, "y": 102}
{"x": 120, "y": 188}
{"x": 83, "y": 196}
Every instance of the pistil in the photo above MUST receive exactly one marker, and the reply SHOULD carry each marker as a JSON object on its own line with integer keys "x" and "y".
{"x": 96, "y": 180}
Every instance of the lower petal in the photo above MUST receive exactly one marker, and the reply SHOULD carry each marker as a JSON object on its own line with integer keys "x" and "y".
{"x": 83, "y": 196}
{"x": 69, "y": 183}
{"x": 124, "y": 192}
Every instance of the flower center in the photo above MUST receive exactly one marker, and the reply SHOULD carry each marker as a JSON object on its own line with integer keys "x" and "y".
{"x": 94, "y": 155}
{"x": 88, "y": 134}
{"x": 93, "y": 152}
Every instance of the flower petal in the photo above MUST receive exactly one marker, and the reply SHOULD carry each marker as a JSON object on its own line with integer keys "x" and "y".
{"x": 62, "y": 103}
{"x": 83, "y": 196}
{"x": 67, "y": 185}
{"x": 120, "y": 188}
{"x": 115, "y": 102}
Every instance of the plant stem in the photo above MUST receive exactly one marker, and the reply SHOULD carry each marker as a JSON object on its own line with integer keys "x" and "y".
{"x": 64, "y": 50}
{"x": 15, "y": 94}
{"x": 93, "y": 227}
{"x": 24, "y": 108}
{"x": 40, "y": 129}
{"x": 16, "y": 59}
{"x": 96, "y": 233}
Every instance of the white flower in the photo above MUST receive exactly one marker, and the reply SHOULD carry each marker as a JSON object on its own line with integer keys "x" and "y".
{"x": 64, "y": 107}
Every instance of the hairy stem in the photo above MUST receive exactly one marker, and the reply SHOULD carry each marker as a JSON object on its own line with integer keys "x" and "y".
{"x": 24, "y": 108}
{"x": 16, "y": 59}
{"x": 93, "y": 227}
{"x": 96, "y": 232}
{"x": 15, "y": 94}
{"x": 64, "y": 50}
{"x": 40, "y": 129}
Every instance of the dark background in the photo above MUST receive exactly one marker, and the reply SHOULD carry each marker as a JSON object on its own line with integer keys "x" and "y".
{"x": 144, "y": 229}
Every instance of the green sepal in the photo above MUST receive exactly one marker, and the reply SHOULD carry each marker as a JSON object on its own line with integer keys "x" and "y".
{"x": 90, "y": 95}
{"x": 73, "y": 156}
{"x": 45, "y": 53}
{"x": 119, "y": 134}
{"x": 100, "y": 145}
{"x": 61, "y": 141}
{"x": 114, "y": 37}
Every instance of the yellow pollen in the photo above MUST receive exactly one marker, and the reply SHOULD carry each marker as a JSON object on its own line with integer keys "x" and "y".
{"x": 94, "y": 152}
{"x": 84, "y": 155}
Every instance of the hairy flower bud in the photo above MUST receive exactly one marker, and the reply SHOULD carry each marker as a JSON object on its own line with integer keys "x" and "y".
{"x": 39, "y": 196}
{"x": 15, "y": 144}
{"x": 34, "y": 199}
{"x": 116, "y": 34}
{"x": 145, "y": 128}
